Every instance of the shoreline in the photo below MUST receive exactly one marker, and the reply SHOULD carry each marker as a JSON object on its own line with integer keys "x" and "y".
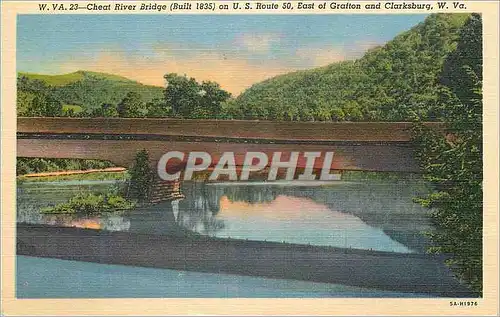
{"x": 74, "y": 172}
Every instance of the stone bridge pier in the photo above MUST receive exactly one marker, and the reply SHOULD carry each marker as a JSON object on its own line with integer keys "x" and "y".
{"x": 165, "y": 190}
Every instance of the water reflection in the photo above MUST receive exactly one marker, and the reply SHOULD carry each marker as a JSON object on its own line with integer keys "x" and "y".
{"x": 54, "y": 278}
{"x": 375, "y": 215}
{"x": 109, "y": 222}
{"x": 283, "y": 218}
{"x": 303, "y": 221}
{"x": 33, "y": 196}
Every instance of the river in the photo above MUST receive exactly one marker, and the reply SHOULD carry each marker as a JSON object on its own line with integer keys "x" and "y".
{"x": 367, "y": 213}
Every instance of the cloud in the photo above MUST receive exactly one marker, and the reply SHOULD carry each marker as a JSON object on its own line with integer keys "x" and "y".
{"x": 233, "y": 69}
{"x": 233, "y": 74}
{"x": 317, "y": 56}
{"x": 320, "y": 56}
{"x": 257, "y": 43}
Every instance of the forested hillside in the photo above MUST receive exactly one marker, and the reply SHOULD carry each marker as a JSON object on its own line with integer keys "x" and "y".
{"x": 78, "y": 93}
{"x": 455, "y": 165}
{"x": 395, "y": 82}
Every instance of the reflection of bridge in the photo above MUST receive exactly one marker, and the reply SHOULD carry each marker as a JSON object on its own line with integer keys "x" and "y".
{"x": 414, "y": 273}
{"x": 357, "y": 146}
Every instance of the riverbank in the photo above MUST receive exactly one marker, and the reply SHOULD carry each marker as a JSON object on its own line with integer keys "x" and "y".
{"x": 111, "y": 173}
{"x": 46, "y": 174}
{"x": 413, "y": 273}
{"x": 121, "y": 173}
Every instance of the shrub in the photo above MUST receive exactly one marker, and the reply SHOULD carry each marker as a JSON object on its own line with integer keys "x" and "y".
{"x": 91, "y": 204}
{"x": 141, "y": 177}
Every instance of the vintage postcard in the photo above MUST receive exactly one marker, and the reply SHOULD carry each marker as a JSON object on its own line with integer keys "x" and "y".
{"x": 249, "y": 158}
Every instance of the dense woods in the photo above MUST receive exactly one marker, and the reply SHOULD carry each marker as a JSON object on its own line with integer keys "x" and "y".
{"x": 394, "y": 82}
{"x": 454, "y": 164}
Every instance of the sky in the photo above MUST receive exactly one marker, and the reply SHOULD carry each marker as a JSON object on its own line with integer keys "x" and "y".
{"x": 235, "y": 51}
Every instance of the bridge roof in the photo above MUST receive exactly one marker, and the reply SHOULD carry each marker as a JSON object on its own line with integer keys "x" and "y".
{"x": 245, "y": 129}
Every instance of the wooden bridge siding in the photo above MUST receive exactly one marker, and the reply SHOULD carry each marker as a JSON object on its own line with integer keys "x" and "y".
{"x": 122, "y": 153}
{"x": 339, "y": 131}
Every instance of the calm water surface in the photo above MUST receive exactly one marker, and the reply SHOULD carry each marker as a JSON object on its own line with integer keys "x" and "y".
{"x": 367, "y": 214}
{"x": 377, "y": 215}
{"x": 53, "y": 278}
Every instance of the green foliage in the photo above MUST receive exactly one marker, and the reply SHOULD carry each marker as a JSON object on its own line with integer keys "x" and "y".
{"x": 190, "y": 99}
{"x": 54, "y": 80}
{"x": 77, "y": 177}
{"x": 105, "y": 110}
{"x": 64, "y": 79}
{"x": 454, "y": 163}
{"x": 46, "y": 105}
{"x": 396, "y": 82}
{"x": 158, "y": 108}
{"x": 141, "y": 177}
{"x": 71, "y": 110}
{"x": 28, "y": 165}
{"x": 35, "y": 99}
{"x": 24, "y": 103}
{"x": 88, "y": 90}
{"x": 358, "y": 176}
{"x": 91, "y": 203}
{"x": 131, "y": 106}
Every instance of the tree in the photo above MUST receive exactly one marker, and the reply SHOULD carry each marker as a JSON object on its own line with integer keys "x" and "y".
{"x": 36, "y": 99}
{"x": 158, "y": 108}
{"x": 352, "y": 111}
{"x": 394, "y": 82}
{"x": 105, "y": 110}
{"x": 45, "y": 106}
{"x": 141, "y": 177}
{"x": 109, "y": 110}
{"x": 212, "y": 97}
{"x": 131, "y": 106}
{"x": 189, "y": 99}
{"x": 454, "y": 163}
{"x": 337, "y": 114}
{"x": 181, "y": 94}
{"x": 24, "y": 103}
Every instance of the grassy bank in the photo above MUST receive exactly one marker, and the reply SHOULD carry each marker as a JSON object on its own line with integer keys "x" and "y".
{"x": 27, "y": 165}
{"x": 77, "y": 177}
{"x": 91, "y": 204}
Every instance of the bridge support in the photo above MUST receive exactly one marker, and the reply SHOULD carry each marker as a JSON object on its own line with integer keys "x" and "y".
{"x": 165, "y": 191}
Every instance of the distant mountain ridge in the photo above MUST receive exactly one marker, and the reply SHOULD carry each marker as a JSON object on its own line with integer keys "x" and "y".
{"x": 81, "y": 90}
{"x": 64, "y": 79}
{"x": 398, "y": 81}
